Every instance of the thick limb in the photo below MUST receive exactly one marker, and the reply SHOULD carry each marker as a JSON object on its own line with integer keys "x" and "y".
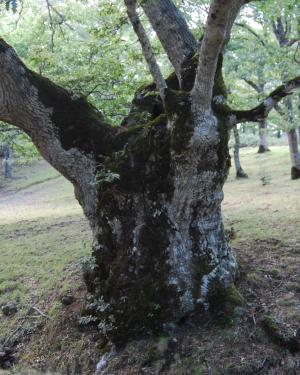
{"x": 172, "y": 31}
{"x": 68, "y": 132}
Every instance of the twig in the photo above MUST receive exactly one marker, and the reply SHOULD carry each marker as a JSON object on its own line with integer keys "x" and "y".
{"x": 255, "y": 326}
{"x": 51, "y": 25}
{"x": 40, "y": 312}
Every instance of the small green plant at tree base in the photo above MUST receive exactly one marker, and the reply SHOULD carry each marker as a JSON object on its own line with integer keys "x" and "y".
{"x": 86, "y": 320}
{"x": 87, "y": 263}
{"x": 105, "y": 176}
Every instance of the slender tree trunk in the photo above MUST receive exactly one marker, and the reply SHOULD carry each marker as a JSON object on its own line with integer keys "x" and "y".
{"x": 7, "y": 167}
{"x": 236, "y": 153}
{"x": 293, "y": 142}
{"x": 294, "y": 154}
{"x": 263, "y": 144}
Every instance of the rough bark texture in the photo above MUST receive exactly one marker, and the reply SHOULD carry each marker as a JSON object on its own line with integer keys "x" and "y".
{"x": 152, "y": 192}
{"x": 162, "y": 253}
{"x": 236, "y": 154}
{"x": 151, "y": 189}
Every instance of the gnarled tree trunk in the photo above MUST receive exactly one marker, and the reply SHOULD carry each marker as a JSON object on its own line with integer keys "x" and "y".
{"x": 151, "y": 191}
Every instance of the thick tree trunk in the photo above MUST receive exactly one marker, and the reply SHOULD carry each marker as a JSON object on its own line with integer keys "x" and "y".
{"x": 159, "y": 244}
{"x": 161, "y": 252}
{"x": 236, "y": 154}
{"x": 151, "y": 192}
{"x": 263, "y": 143}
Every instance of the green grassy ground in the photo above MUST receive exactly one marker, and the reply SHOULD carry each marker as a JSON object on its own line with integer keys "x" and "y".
{"x": 44, "y": 234}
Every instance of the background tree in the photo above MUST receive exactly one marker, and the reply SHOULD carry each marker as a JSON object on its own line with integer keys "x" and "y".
{"x": 274, "y": 27}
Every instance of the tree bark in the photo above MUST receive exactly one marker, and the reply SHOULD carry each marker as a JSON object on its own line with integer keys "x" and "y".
{"x": 152, "y": 194}
{"x": 172, "y": 31}
{"x": 218, "y": 26}
{"x": 236, "y": 154}
{"x": 68, "y": 132}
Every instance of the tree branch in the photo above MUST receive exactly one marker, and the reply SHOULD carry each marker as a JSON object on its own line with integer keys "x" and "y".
{"x": 172, "y": 31}
{"x": 261, "y": 112}
{"x": 146, "y": 47}
{"x": 251, "y": 31}
{"x": 56, "y": 122}
{"x": 221, "y": 16}
{"x": 51, "y": 23}
{"x": 253, "y": 85}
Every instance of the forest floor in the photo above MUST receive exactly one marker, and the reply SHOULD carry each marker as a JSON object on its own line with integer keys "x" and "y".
{"x": 45, "y": 238}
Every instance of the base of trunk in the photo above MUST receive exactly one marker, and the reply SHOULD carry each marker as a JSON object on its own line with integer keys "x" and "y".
{"x": 241, "y": 174}
{"x": 295, "y": 173}
{"x": 262, "y": 149}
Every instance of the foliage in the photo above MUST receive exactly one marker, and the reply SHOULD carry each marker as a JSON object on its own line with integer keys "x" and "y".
{"x": 89, "y": 47}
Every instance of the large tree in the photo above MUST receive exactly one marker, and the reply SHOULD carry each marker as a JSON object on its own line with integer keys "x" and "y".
{"x": 151, "y": 188}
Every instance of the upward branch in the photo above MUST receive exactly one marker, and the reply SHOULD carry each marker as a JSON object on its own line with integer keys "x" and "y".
{"x": 172, "y": 31}
{"x": 146, "y": 47}
{"x": 221, "y": 16}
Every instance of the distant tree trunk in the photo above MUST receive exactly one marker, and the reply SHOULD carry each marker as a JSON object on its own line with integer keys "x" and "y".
{"x": 236, "y": 153}
{"x": 294, "y": 153}
{"x": 299, "y": 114}
{"x": 293, "y": 142}
{"x": 7, "y": 168}
{"x": 263, "y": 144}
{"x": 278, "y": 134}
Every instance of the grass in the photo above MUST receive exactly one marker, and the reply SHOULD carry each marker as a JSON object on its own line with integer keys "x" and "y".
{"x": 44, "y": 234}
{"x": 258, "y": 211}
